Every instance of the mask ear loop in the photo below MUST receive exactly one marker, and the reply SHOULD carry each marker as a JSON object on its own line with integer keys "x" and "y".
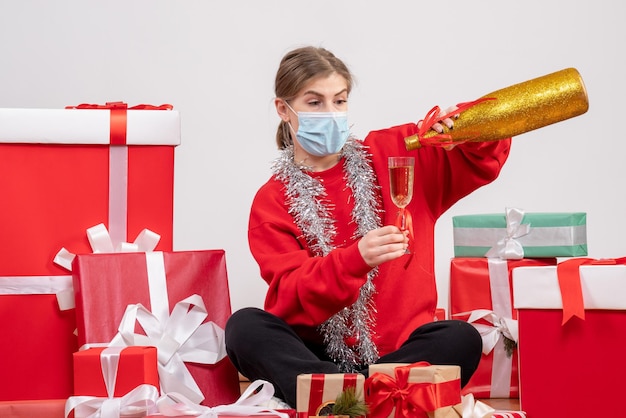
{"x": 287, "y": 128}
{"x": 287, "y": 139}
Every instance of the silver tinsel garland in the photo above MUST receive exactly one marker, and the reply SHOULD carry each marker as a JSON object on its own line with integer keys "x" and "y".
{"x": 308, "y": 205}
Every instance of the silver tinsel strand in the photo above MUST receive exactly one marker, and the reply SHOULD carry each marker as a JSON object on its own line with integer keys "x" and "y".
{"x": 308, "y": 205}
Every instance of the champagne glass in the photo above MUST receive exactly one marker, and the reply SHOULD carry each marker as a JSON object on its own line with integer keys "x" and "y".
{"x": 401, "y": 173}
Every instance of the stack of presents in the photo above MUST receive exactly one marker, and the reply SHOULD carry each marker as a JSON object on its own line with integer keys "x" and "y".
{"x": 102, "y": 318}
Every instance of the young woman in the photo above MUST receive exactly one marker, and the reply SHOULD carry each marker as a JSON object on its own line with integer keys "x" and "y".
{"x": 343, "y": 291}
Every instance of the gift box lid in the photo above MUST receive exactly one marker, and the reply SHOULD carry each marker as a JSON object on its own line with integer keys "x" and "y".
{"x": 603, "y": 287}
{"x": 87, "y": 126}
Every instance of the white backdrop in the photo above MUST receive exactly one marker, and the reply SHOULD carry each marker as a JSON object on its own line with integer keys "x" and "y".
{"x": 215, "y": 62}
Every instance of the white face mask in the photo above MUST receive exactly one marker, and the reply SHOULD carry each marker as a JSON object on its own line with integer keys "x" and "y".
{"x": 322, "y": 133}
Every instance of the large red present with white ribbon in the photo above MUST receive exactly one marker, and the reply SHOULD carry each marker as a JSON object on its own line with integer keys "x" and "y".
{"x": 316, "y": 393}
{"x": 572, "y": 319}
{"x": 480, "y": 293}
{"x": 176, "y": 301}
{"x": 61, "y": 172}
{"x": 65, "y": 170}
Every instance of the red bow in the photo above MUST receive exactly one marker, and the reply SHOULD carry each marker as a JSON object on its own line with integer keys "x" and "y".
{"x": 117, "y": 129}
{"x": 432, "y": 117}
{"x": 404, "y": 221}
{"x": 409, "y": 399}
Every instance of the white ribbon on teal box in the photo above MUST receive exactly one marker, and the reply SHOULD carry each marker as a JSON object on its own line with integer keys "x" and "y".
{"x": 516, "y": 235}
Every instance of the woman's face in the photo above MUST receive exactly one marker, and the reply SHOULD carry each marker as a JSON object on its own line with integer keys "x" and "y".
{"x": 322, "y": 94}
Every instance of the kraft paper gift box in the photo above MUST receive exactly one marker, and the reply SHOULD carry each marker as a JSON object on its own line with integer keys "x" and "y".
{"x": 418, "y": 389}
{"x": 125, "y": 368}
{"x": 59, "y": 175}
{"x": 527, "y": 235}
{"x": 110, "y": 288}
{"x": 571, "y": 366}
{"x": 316, "y": 393}
{"x": 481, "y": 293}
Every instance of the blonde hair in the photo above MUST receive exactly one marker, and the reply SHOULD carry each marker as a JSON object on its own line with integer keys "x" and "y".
{"x": 297, "y": 68}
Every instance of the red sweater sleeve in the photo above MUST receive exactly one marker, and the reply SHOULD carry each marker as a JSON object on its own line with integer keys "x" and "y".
{"x": 304, "y": 290}
{"x": 441, "y": 177}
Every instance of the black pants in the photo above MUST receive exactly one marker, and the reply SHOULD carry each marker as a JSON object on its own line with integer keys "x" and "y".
{"x": 263, "y": 346}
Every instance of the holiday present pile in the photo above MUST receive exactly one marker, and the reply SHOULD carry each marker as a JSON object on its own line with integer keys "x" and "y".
{"x": 63, "y": 171}
{"x": 176, "y": 301}
{"x": 571, "y": 337}
{"x": 487, "y": 250}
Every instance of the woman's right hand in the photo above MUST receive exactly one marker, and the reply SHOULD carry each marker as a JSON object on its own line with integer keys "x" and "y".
{"x": 383, "y": 244}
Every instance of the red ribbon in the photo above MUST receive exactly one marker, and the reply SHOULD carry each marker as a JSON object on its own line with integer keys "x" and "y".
{"x": 118, "y": 121}
{"x": 432, "y": 117}
{"x": 414, "y": 400}
{"x": 405, "y": 224}
{"x": 568, "y": 274}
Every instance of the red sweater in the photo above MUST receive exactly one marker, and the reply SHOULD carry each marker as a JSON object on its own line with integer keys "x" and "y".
{"x": 306, "y": 290}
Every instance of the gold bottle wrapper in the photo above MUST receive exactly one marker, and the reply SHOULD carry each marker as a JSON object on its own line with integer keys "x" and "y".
{"x": 517, "y": 109}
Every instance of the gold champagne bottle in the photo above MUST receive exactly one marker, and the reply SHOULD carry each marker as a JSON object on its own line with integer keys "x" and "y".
{"x": 514, "y": 110}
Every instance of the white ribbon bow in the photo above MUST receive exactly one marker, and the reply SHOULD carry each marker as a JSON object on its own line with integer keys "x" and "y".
{"x": 176, "y": 404}
{"x": 508, "y": 248}
{"x": 101, "y": 242}
{"x": 475, "y": 409}
{"x": 500, "y": 326}
{"x": 179, "y": 338}
{"x": 137, "y": 402}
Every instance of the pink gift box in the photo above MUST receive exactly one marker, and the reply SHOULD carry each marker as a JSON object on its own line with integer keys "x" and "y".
{"x": 571, "y": 369}
{"x": 59, "y": 175}
{"x": 106, "y": 284}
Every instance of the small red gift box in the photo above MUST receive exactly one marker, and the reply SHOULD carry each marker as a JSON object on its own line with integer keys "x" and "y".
{"x": 571, "y": 369}
{"x": 108, "y": 285}
{"x": 126, "y": 368}
{"x": 417, "y": 389}
{"x": 481, "y": 288}
{"x": 59, "y": 175}
{"x": 316, "y": 393}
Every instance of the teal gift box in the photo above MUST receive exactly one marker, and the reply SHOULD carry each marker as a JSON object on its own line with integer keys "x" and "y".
{"x": 515, "y": 235}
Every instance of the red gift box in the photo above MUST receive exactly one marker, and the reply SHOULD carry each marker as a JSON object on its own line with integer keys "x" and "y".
{"x": 126, "y": 367}
{"x": 106, "y": 284}
{"x": 571, "y": 369}
{"x": 36, "y": 360}
{"x": 58, "y": 177}
{"x": 316, "y": 393}
{"x": 45, "y": 408}
{"x": 482, "y": 287}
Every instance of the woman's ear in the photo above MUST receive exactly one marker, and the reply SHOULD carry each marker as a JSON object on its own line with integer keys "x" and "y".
{"x": 282, "y": 109}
